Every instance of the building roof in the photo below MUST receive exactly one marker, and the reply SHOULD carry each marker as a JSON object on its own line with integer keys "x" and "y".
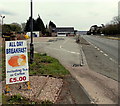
{"x": 64, "y": 29}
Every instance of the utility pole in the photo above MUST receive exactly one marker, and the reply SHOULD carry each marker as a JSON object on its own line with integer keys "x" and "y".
{"x": 31, "y": 44}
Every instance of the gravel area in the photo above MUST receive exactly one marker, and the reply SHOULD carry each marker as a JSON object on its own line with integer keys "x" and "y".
{"x": 42, "y": 88}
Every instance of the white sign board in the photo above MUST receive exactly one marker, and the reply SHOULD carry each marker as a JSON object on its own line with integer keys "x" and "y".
{"x": 16, "y": 61}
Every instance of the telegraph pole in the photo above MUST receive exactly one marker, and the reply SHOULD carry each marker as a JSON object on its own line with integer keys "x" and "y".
{"x": 31, "y": 44}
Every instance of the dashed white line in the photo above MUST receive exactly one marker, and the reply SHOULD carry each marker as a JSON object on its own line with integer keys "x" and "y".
{"x": 70, "y": 51}
{"x": 98, "y": 49}
{"x": 105, "y": 54}
{"x": 60, "y": 46}
{"x": 90, "y": 43}
{"x": 74, "y": 52}
{"x": 111, "y": 59}
{"x": 95, "y": 47}
{"x": 101, "y": 51}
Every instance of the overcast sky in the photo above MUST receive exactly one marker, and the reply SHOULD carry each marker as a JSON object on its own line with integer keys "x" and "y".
{"x": 80, "y": 14}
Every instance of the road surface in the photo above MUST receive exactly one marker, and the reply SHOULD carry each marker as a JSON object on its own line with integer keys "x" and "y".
{"x": 102, "y": 55}
{"x": 109, "y": 46}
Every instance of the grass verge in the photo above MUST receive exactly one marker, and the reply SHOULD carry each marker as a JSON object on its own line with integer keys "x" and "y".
{"x": 46, "y": 65}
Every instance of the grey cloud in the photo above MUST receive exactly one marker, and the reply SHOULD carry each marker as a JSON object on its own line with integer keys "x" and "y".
{"x": 6, "y": 12}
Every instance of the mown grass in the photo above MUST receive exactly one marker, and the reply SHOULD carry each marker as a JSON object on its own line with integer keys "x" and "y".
{"x": 46, "y": 65}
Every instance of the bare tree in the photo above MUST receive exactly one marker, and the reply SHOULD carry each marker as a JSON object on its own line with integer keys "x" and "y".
{"x": 116, "y": 20}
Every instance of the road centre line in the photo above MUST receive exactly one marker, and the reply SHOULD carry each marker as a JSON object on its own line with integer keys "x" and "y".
{"x": 90, "y": 43}
{"x": 111, "y": 59}
{"x": 95, "y": 47}
{"x": 101, "y": 51}
{"x": 105, "y": 54}
{"x": 98, "y": 49}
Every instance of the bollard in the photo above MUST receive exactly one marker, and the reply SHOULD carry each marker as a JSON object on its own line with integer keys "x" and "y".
{"x": 7, "y": 89}
{"x": 28, "y": 83}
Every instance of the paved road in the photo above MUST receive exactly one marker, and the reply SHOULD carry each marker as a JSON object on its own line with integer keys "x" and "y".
{"x": 102, "y": 55}
{"x": 101, "y": 89}
{"x": 109, "y": 46}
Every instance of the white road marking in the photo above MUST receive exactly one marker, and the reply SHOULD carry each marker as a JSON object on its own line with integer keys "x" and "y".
{"x": 95, "y": 47}
{"x": 101, "y": 51}
{"x": 105, "y": 54}
{"x": 73, "y": 52}
{"x": 98, "y": 49}
{"x": 65, "y": 50}
{"x": 64, "y": 43}
{"x": 111, "y": 59}
{"x": 60, "y": 46}
{"x": 90, "y": 43}
{"x": 70, "y": 51}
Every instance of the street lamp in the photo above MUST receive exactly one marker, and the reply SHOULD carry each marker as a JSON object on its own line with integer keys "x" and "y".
{"x": 2, "y": 24}
{"x": 31, "y": 44}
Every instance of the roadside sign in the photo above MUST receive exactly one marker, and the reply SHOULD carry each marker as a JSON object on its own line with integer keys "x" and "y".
{"x": 16, "y": 62}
